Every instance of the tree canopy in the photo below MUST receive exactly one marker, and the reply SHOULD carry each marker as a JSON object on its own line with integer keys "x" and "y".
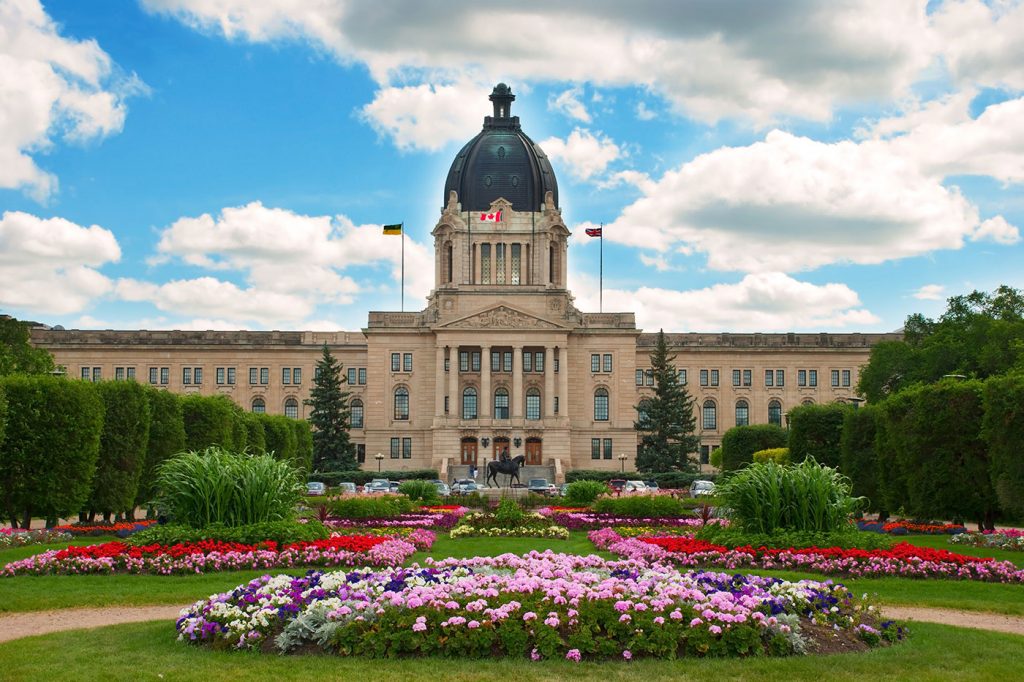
{"x": 17, "y": 354}
{"x": 332, "y": 449}
{"x": 665, "y": 421}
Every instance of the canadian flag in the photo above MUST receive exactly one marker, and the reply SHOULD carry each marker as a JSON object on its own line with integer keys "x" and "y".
{"x": 490, "y": 217}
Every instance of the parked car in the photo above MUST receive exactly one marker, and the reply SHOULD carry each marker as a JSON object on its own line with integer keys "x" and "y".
{"x": 378, "y": 485}
{"x": 616, "y": 485}
{"x": 316, "y": 488}
{"x": 562, "y": 489}
{"x": 634, "y": 487}
{"x": 702, "y": 488}
{"x": 467, "y": 487}
{"x": 347, "y": 488}
{"x": 393, "y": 486}
{"x": 652, "y": 486}
{"x": 540, "y": 486}
{"x": 442, "y": 488}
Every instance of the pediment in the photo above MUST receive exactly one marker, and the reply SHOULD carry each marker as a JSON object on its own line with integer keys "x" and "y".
{"x": 501, "y": 317}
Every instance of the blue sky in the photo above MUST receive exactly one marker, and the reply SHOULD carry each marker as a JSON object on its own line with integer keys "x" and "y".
{"x": 226, "y": 164}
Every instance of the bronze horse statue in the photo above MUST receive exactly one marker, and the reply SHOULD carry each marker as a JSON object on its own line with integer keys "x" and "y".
{"x": 506, "y": 466}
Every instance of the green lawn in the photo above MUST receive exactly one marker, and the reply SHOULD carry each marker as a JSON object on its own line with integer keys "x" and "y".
{"x": 149, "y": 651}
{"x": 942, "y": 542}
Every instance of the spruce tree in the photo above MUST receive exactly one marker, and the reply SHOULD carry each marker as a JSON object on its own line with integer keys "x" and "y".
{"x": 332, "y": 450}
{"x": 666, "y": 421}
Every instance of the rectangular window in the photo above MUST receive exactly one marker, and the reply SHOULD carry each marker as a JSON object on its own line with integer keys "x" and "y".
{"x": 608, "y": 362}
{"x": 165, "y": 376}
{"x": 499, "y": 263}
{"x": 714, "y": 377}
{"x": 407, "y": 362}
{"x": 506, "y": 361}
{"x": 296, "y": 375}
{"x": 264, "y": 375}
{"x": 485, "y": 263}
{"x": 801, "y": 377}
{"x": 131, "y": 373}
{"x": 595, "y": 448}
{"x": 780, "y": 377}
{"x": 361, "y": 453}
{"x": 703, "y": 377}
{"x": 650, "y": 377}
{"x": 747, "y": 377}
{"x": 231, "y": 376}
{"x": 446, "y": 404}
{"x": 254, "y": 375}
{"x": 396, "y": 362}
{"x": 362, "y": 375}
{"x": 769, "y": 377}
{"x": 710, "y": 415}
{"x": 516, "y": 253}
{"x": 186, "y": 375}
{"x": 595, "y": 363}
{"x": 447, "y": 364}
{"x": 538, "y": 361}
{"x": 395, "y": 442}
{"x": 607, "y": 448}
{"x": 407, "y": 448}
{"x": 351, "y": 376}
{"x": 286, "y": 375}
{"x": 119, "y": 373}
{"x": 812, "y": 377}
{"x": 495, "y": 361}
{"x": 463, "y": 361}
{"x": 152, "y": 375}
{"x": 219, "y": 375}
{"x": 316, "y": 373}
{"x": 835, "y": 377}
{"x": 736, "y": 374}
{"x": 682, "y": 377}
{"x": 639, "y": 377}
{"x": 197, "y": 376}
{"x": 475, "y": 360}
{"x": 97, "y": 373}
{"x": 846, "y": 377}
{"x": 86, "y": 373}
{"x": 527, "y": 361}
{"x": 556, "y": 404}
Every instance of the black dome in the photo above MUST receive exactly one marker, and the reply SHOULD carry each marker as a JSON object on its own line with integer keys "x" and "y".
{"x": 501, "y": 161}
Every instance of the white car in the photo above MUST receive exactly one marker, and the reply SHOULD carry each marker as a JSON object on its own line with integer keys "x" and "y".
{"x": 634, "y": 487}
{"x": 702, "y": 489}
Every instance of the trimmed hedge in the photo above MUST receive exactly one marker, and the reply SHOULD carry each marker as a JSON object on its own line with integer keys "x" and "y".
{"x": 583, "y": 493}
{"x": 370, "y": 507}
{"x": 123, "y": 444}
{"x": 777, "y": 455}
{"x": 815, "y": 431}
{"x": 255, "y": 437}
{"x": 1003, "y": 430}
{"x": 51, "y": 445}
{"x": 642, "y": 506}
{"x": 858, "y": 459}
{"x": 303, "y": 444}
{"x": 741, "y": 442}
{"x": 674, "y": 480}
{"x": 166, "y": 438}
{"x": 279, "y": 436}
{"x": 281, "y": 532}
{"x": 209, "y": 421}
{"x": 362, "y": 477}
{"x": 3, "y": 416}
{"x": 892, "y": 482}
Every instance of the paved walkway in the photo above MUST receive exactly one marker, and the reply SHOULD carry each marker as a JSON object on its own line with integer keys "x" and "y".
{"x": 18, "y": 625}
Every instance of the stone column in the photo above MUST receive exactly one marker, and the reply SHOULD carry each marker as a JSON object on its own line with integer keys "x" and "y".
{"x": 453, "y": 382}
{"x": 563, "y": 382}
{"x": 517, "y": 382}
{"x": 485, "y": 382}
{"x": 439, "y": 383}
{"x": 549, "y": 383}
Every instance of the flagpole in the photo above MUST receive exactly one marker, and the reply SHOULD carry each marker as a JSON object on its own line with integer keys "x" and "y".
{"x": 600, "y": 295}
{"x": 403, "y": 266}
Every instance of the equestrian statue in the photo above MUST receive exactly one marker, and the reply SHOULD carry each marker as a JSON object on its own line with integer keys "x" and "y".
{"x": 504, "y": 466}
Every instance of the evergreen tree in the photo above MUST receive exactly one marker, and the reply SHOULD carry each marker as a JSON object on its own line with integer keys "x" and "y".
{"x": 332, "y": 450}
{"x": 666, "y": 421}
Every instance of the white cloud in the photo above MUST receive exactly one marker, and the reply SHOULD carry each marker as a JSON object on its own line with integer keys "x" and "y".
{"x": 426, "y": 117}
{"x": 49, "y": 264}
{"x": 585, "y": 153}
{"x": 766, "y": 302}
{"x": 997, "y": 230}
{"x": 981, "y": 41}
{"x": 51, "y": 87}
{"x": 930, "y": 292}
{"x": 643, "y": 113}
{"x": 658, "y": 262}
{"x": 569, "y": 104}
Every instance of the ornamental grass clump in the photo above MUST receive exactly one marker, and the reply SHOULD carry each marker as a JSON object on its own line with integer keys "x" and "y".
{"x": 805, "y": 497}
{"x": 216, "y": 486}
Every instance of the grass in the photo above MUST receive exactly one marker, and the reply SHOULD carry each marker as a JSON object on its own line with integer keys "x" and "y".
{"x": 148, "y": 651}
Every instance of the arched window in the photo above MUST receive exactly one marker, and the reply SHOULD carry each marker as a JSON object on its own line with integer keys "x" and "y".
{"x": 401, "y": 404}
{"x": 448, "y": 262}
{"x": 258, "y": 406}
{"x": 469, "y": 403}
{"x": 742, "y": 413}
{"x": 807, "y": 401}
{"x": 642, "y": 417}
{"x": 501, "y": 404}
{"x": 775, "y": 413}
{"x": 533, "y": 404}
{"x": 356, "y": 414}
{"x": 710, "y": 415}
{"x": 601, "y": 405}
{"x": 291, "y": 408}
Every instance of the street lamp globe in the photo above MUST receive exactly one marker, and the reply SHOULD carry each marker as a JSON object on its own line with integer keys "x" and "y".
{"x": 380, "y": 458}
{"x": 622, "y": 463}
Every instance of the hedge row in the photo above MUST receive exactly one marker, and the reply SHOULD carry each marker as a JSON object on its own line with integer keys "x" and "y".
{"x": 670, "y": 479}
{"x": 362, "y": 477}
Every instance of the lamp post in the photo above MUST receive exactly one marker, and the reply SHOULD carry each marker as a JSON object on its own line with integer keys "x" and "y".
{"x": 856, "y": 401}
{"x": 622, "y": 463}
{"x": 380, "y": 458}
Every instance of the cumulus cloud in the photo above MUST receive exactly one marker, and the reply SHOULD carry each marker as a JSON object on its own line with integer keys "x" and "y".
{"x": 50, "y": 264}
{"x": 426, "y": 117}
{"x": 569, "y": 104}
{"x": 643, "y": 113}
{"x": 584, "y": 153}
{"x": 930, "y": 292}
{"x": 51, "y": 88}
{"x": 767, "y": 302}
{"x": 997, "y": 230}
{"x": 981, "y": 41}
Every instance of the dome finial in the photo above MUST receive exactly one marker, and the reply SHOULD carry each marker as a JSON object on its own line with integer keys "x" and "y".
{"x": 502, "y": 98}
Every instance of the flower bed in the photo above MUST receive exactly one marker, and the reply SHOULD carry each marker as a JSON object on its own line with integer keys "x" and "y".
{"x": 902, "y": 560}
{"x": 908, "y": 528}
{"x": 1009, "y": 539}
{"x": 593, "y": 521}
{"x": 438, "y": 520}
{"x": 209, "y": 555}
{"x": 545, "y": 605}
{"x": 19, "y": 537}
{"x": 551, "y": 532}
{"x": 122, "y": 529}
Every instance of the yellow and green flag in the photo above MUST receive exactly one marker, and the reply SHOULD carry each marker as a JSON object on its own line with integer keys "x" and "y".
{"x": 393, "y": 229}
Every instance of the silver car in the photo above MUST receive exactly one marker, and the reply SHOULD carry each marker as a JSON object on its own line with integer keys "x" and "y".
{"x": 702, "y": 488}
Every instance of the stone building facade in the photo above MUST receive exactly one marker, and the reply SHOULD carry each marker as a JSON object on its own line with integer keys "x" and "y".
{"x": 500, "y": 358}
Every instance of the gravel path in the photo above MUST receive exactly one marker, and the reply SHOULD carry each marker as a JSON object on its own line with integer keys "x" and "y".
{"x": 961, "y": 619}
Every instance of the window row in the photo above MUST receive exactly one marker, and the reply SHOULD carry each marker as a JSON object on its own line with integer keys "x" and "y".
{"x": 401, "y": 447}
{"x": 600, "y": 363}
{"x": 709, "y": 414}
{"x": 501, "y": 361}
{"x": 513, "y": 253}
{"x": 401, "y": 362}
{"x": 599, "y": 447}
{"x": 291, "y": 407}
{"x": 356, "y": 376}
{"x": 645, "y": 377}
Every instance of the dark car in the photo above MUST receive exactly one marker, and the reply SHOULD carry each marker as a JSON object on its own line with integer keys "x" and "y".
{"x": 616, "y": 485}
{"x": 539, "y": 486}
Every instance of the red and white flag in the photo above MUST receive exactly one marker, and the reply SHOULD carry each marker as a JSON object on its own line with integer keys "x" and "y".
{"x": 490, "y": 217}
{"x": 594, "y": 231}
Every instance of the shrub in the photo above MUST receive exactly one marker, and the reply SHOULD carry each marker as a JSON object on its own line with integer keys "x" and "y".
{"x": 805, "y": 497}
{"x": 123, "y": 444}
{"x": 166, "y": 438}
{"x": 279, "y": 434}
{"x": 715, "y": 458}
{"x": 857, "y": 457}
{"x": 303, "y": 444}
{"x": 667, "y": 479}
{"x": 371, "y": 507}
{"x": 1003, "y": 430}
{"x": 3, "y": 415}
{"x": 777, "y": 455}
{"x": 423, "y": 492}
{"x": 209, "y": 421}
{"x": 847, "y": 538}
{"x": 281, "y": 532}
{"x": 814, "y": 432}
{"x": 641, "y": 506}
{"x": 583, "y": 493}
{"x": 233, "y": 489}
{"x": 509, "y": 514}
{"x": 255, "y": 437}
{"x": 359, "y": 477}
{"x": 741, "y": 442}
{"x": 52, "y": 441}
{"x": 889, "y": 434}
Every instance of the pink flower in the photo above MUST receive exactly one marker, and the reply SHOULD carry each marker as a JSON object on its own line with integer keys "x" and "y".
{"x": 628, "y": 655}
{"x": 534, "y": 656}
{"x": 715, "y": 630}
{"x": 572, "y": 655}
